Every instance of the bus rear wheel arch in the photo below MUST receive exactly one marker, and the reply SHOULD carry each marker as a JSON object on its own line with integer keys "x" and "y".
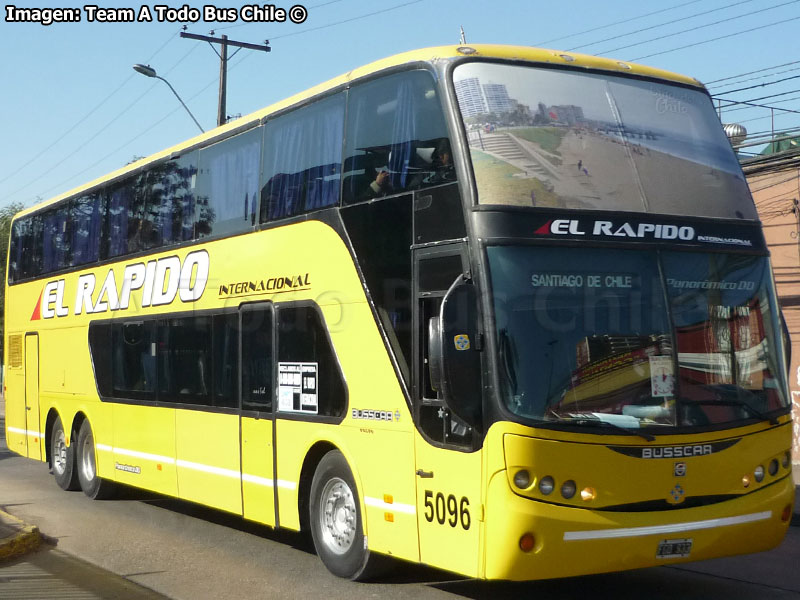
{"x": 92, "y": 485}
{"x": 336, "y": 521}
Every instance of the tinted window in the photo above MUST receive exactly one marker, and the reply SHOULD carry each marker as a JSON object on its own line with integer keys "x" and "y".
{"x": 122, "y": 217}
{"x": 227, "y": 185}
{"x": 134, "y": 359}
{"x": 25, "y": 258}
{"x": 173, "y": 186}
{"x": 87, "y": 215}
{"x": 184, "y": 360}
{"x": 226, "y": 350}
{"x": 396, "y": 137}
{"x": 309, "y": 380}
{"x": 302, "y": 160}
{"x": 56, "y": 240}
{"x": 257, "y": 387}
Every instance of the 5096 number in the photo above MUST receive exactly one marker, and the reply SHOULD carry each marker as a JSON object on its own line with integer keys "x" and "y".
{"x": 447, "y": 509}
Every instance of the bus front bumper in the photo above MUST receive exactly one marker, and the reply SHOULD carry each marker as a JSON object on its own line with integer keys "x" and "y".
{"x": 574, "y": 541}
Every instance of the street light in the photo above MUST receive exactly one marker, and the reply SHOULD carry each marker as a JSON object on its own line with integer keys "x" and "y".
{"x": 151, "y": 72}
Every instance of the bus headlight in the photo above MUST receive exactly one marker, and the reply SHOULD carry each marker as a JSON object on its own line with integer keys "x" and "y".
{"x": 546, "y": 485}
{"x": 786, "y": 460}
{"x": 568, "y": 489}
{"x": 759, "y": 474}
{"x": 522, "y": 479}
{"x": 773, "y": 467}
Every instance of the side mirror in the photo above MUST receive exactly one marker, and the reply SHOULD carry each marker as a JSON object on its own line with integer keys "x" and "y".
{"x": 435, "y": 360}
{"x": 454, "y": 352}
{"x": 787, "y": 344}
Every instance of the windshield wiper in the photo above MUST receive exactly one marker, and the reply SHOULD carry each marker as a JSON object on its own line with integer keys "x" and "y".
{"x": 600, "y": 423}
{"x": 773, "y": 420}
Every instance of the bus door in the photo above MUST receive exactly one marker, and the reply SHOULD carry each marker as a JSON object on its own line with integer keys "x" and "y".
{"x": 257, "y": 424}
{"x": 32, "y": 426}
{"x": 448, "y": 470}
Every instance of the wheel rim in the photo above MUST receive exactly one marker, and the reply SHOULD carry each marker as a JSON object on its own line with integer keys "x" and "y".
{"x": 87, "y": 458}
{"x": 60, "y": 452}
{"x": 337, "y": 516}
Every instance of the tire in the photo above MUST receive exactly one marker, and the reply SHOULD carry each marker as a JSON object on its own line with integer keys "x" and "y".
{"x": 336, "y": 521}
{"x": 92, "y": 485}
{"x": 62, "y": 458}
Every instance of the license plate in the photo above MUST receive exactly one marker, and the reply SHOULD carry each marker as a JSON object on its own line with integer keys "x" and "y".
{"x": 674, "y": 548}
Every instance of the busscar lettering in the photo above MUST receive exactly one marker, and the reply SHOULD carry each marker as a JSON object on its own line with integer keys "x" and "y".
{"x": 678, "y": 451}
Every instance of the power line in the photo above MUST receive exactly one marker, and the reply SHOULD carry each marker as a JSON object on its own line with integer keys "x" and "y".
{"x": 758, "y": 85}
{"x": 669, "y": 35}
{"x": 72, "y": 128}
{"x": 754, "y": 78}
{"x": 752, "y": 100}
{"x": 716, "y": 39}
{"x": 622, "y": 35}
{"x": 564, "y": 37}
{"x": 794, "y": 62}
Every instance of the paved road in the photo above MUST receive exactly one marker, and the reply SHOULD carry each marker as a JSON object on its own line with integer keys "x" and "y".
{"x": 184, "y": 551}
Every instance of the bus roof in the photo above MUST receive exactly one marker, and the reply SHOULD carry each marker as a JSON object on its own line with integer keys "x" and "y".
{"x": 497, "y": 51}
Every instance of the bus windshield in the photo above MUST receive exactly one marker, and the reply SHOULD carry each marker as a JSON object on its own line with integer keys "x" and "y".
{"x": 636, "y": 338}
{"x": 549, "y": 137}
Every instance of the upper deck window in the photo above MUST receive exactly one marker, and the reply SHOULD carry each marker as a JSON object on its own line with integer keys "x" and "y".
{"x": 396, "y": 138}
{"x": 566, "y": 139}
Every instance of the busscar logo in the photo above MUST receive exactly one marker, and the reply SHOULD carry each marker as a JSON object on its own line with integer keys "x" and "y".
{"x": 155, "y": 283}
{"x": 687, "y": 451}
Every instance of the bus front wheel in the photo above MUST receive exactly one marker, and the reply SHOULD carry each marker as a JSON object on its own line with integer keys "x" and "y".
{"x": 62, "y": 458}
{"x": 336, "y": 520}
{"x": 92, "y": 485}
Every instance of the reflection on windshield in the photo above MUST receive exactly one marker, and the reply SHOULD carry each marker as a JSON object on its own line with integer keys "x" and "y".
{"x": 555, "y": 138}
{"x": 600, "y": 335}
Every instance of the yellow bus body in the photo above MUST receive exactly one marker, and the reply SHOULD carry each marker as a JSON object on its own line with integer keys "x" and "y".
{"x": 227, "y": 461}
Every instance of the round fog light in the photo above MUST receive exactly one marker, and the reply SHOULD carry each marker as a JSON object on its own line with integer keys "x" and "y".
{"x": 759, "y": 473}
{"x": 746, "y": 481}
{"x": 773, "y": 466}
{"x": 546, "y": 485}
{"x": 568, "y": 489}
{"x": 588, "y": 494}
{"x": 522, "y": 479}
{"x": 527, "y": 542}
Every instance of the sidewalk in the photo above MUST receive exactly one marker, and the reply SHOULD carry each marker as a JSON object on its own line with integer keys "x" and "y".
{"x": 16, "y": 537}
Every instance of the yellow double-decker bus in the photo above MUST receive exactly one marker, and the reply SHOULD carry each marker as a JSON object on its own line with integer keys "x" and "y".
{"x": 504, "y": 311}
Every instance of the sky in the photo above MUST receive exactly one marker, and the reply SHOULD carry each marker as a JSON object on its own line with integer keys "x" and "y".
{"x": 72, "y": 108}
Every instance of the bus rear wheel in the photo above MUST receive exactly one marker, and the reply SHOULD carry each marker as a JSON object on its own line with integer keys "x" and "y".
{"x": 62, "y": 458}
{"x": 336, "y": 521}
{"x": 92, "y": 485}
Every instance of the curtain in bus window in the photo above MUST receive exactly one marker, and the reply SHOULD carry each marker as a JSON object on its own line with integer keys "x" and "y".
{"x": 56, "y": 241}
{"x": 403, "y": 133}
{"x": 302, "y": 160}
{"x": 176, "y": 203}
{"x": 87, "y": 216}
{"x": 228, "y": 185}
{"x": 118, "y": 210}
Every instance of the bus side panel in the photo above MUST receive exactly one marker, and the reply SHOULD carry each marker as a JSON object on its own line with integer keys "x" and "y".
{"x": 383, "y": 468}
{"x": 207, "y": 452}
{"x": 144, "y": 447}
{"x": 258, "y": 484}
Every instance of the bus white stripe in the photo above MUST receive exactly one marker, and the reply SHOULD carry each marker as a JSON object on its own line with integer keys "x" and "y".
{"x": 601, "y": 534}
{"x": 199, "y": 467}
{"x": 408, "y": 509}
{"x": 26, "y": 432}
{"x": 136, "y": 454}
{"x": 258, "y": 480}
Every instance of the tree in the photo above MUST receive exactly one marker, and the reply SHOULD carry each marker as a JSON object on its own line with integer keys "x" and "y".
{"x": 6, "y": 214}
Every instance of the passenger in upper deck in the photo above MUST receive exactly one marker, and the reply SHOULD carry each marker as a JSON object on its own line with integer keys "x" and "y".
{"x": 436, "y": 170}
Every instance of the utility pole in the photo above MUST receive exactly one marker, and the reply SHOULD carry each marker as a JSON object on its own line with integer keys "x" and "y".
{"x": 224, "y": 42}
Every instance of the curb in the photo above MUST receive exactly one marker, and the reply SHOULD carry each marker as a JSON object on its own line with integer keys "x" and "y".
{"x": 18, "y": 537}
